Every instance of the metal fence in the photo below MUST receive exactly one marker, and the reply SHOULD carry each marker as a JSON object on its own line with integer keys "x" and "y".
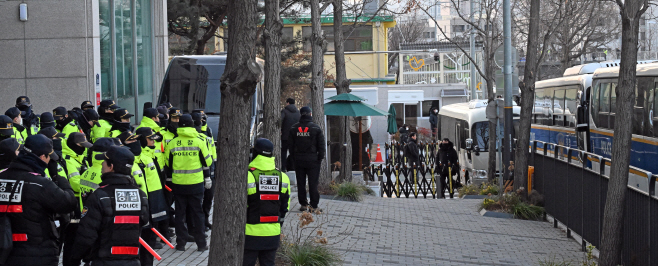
{"x": 574, "y": 184}
{"x": 394, "y": 153}
{"x": 401, "y": 181}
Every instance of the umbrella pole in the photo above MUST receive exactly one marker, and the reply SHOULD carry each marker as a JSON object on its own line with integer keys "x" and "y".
{"x": 360, "y": 147}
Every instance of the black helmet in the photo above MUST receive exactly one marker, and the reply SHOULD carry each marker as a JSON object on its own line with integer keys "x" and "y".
{"x": 263, "y": 147}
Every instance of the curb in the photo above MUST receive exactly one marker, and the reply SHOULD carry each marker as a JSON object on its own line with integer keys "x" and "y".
{"x": 495, "y": 214}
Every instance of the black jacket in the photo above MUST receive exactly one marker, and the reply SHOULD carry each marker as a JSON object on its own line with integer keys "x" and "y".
{"x": 447, "y": 154}
{"x": 289, "y": 116}
{"x": 98, "y": 231}
{"x": 306, "y": 141}
{"x": 411, "y": 151}
{"x": 434, "y": 119}
{"x": 40, "y": 199}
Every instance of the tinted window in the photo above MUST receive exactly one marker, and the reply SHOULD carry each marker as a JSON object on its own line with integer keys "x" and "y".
{"x": 613, "y": 98}
{"x": 427, "y": 105}
{"x": 604, "y": 96}
{"x": 571, "y": 104}
{"x": 558, "y": 107}
{"x": 595, "y": 103}
{"x": 193, "y": 84}
{"x": 538, "y": 108}
{"x": 481, "y": 135}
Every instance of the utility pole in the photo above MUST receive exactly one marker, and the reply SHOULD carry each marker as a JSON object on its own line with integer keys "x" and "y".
{"x": 507, "y": 70}
{"x": 472, "y": 50}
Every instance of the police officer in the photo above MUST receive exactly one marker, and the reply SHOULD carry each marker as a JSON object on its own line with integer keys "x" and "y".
{"x": 268, "y": 191}
{"x": 20, "y": 132}
{"x": 306, "y": 143}
{"x": 208, "y": 193}
{"x": 64, "y": 124}
{"x": 6, "y": 127}
{"x": 150, "y": 120}
{"x": 185, "y": 157}
{"x": 130, "y": 141}
{"x": 74, "y": 157}
{"x": 47, "y": 120}
{"x": 55, "y": 167}
{"x": 35, "y": 203}
{"x": 9, "y": 149}
{"x": 121, "y": 122}
{"x": 86, "y": 105}
{"x": 157, "y": 204}
{"x": 114, "y": 214}
{"x": 106, "y": 114}
{"x": 448, "y": 164}
{"x": 87, "y": 121}
{"x": 30, "y": 119}
{"x": 171, "y": 131}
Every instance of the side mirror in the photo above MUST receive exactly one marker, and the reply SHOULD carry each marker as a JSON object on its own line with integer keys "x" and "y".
{"x": 469, "y": 144}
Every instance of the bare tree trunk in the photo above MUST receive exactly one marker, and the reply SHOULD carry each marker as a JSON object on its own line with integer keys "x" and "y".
{"x": 613, "y": 216}
{"x": 238, "y": 86}
{"x": 491, "y": 166}
{"x": 342, "y": 86}
{"x": 527, "y": 99}
{"x": 272, "y": 112}
{"x": 317, "y": 83}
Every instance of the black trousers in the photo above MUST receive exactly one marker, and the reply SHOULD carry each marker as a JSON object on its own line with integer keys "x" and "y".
{"x": 265, "y": 257}
{"x": 284, "y": 155}
{"x": 193, "y": 204}
{"x": 69, "y": 237}
{"x": 145, "y": 257}
{"x": 208, "y": 195}
{"x": 312, "y": 171}
{"x": 445, "y": 184}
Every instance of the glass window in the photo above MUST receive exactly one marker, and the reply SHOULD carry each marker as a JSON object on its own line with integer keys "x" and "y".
{"x": 546, "y": 113}
{"x": 481, "y": 135}
{"x": 144, "y": 54}
{"x": 107, "y": 92}
{"x": 190, "y": 85}
{"x": 124, "y": 55}
{"x": 411, "y": 115}
{"x": 538, "y": 107}
{"x": 604, "y": 96}
{"x": 613, "y": 98}
{"x": 287, "y": 34}
{"x": 571, "y": 104}
{"x": 358, "y": 40}
{"x": 595, "y": 103}
{"x": 558, "y": 105}
{"x": 428, "y": 105}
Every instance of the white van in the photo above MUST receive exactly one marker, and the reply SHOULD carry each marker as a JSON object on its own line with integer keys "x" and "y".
{"x": 467, "y": 126}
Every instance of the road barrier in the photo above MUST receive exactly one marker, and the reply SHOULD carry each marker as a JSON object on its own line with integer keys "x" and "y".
{"x": 574, "y": 184}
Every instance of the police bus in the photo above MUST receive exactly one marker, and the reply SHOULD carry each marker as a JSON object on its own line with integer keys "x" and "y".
{"x": 193, "y": 82}
{"x": 467, "y": 126}
{"x": 578, "y": 111}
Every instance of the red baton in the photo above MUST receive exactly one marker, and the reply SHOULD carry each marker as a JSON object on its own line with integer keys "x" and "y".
{"x": 162, "y": 237}
{"x": 168, "y": 188}
{"x": 150, "y": 250}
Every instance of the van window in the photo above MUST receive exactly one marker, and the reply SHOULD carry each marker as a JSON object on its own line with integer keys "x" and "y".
{"x": 193, "y": 84}
{"x": 480, "y": 135}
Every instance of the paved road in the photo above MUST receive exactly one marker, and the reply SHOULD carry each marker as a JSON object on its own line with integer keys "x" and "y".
{"x": 424, "y": 232}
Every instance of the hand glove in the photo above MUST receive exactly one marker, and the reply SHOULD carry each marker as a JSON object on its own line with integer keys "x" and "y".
{"x": 207, "y": 183}
{"x": 61, "y": 182}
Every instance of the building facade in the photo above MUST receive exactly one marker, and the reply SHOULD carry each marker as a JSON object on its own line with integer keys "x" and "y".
{"x": 64, "y": 52}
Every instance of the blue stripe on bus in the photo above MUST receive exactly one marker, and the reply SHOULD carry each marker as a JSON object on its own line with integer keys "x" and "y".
{"x": 642, "y": 154}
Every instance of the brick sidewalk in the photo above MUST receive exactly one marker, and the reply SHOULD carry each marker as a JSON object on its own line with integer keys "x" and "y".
{"x": 424, "y": 232}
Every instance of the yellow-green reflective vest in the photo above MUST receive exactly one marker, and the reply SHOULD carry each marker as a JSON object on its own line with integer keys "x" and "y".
{"x": 60, "y": 171}
{"x": 74, "y": 169}
{"x": 137, "y": 174}
{"x": 186, "y": 156}
{"x": 262, "y": 165}
{"x": 68, "y": 129}
{"x": 90, "y": 179}
{"x": 159, "y": 145}
{"x": 101, "y": 131}
{"x": 20, "y": 136}
{"x": 146, "y": 163}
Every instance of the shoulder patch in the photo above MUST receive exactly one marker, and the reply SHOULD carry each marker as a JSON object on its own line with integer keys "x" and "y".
{"x": 252, "y": 169}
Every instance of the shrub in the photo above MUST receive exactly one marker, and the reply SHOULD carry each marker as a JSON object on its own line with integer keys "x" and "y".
{"x": 308, "y": 253}
{"x": 526, "y": 211}
{"x": 489, "y": 189}
{"x": 367, "y": 190}
{"x": 349, "y": 191}
{"x": 470, "y": 189}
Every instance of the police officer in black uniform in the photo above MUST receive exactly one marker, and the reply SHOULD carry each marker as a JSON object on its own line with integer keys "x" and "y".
{"x": 114, "y": 214}
{"x": 447, "y": 165}
{"x": 34, "y": 204}
{"x": 306, "y": 143}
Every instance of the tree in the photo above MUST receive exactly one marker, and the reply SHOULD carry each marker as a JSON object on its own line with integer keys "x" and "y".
{"x": 317, "y": 80}
{"x": 239, "y": 83}
{"x": 613, "y": 216}
{"x": 196, "y": 21}
{"x": 534, "y": 56}
{"x": 271, "y": 112}
{"x": 488, "y": 28}
{"x": 342, "y": 86}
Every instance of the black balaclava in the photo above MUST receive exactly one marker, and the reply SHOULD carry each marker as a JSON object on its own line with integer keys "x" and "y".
{"x": 104, "y": 115}
{"x": 26, "y": 111}
{"x": 135, "y": 147}
{"x": 62, "y": 123}
{"x": 172, "y": 127}
{"x": 57, "y": 144}
{"x": 198, "y": 121}
{"x": 121, "y": 126}
{"x": 79, "y": 150}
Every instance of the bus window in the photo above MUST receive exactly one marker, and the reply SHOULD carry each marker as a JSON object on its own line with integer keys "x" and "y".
{"x": 641, "y": 109}
{"x": 547, "y": 117}
{"x": 481, "y": 135}
{"x": 558, "y": 105}
{"x": 604, "y": 105}
{"x": 613, "y": 105}
{"x": 537, "y": 110}
{"x": 595, "y": 103}
{"x": 654, "y": 109}
{"x": 571, "y": 104}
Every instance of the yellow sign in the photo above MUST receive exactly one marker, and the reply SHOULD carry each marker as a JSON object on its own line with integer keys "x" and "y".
{"x": 419, "y": 63}
{"x": 478, "y": 85}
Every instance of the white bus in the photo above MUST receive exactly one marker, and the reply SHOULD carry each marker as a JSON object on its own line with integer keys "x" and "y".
{"x": 467, "y": 126}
